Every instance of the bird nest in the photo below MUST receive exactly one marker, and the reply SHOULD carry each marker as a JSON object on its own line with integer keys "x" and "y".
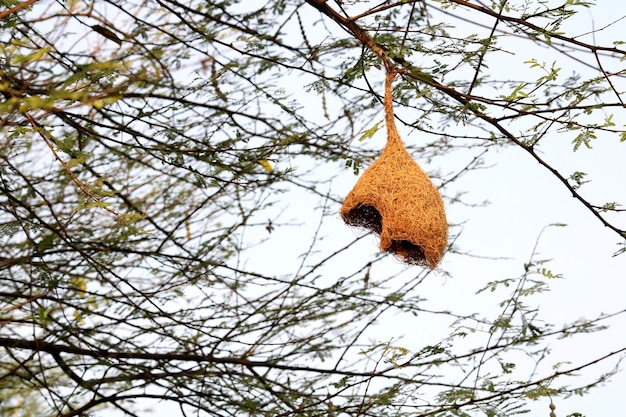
{"x": 396, "y": 199}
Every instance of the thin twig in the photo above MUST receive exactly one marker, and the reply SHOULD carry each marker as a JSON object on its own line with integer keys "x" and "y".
{"x": 16, "y": 8}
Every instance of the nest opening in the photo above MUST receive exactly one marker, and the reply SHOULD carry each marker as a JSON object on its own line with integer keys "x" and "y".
{"x": 408, "y": 252}
{"x": 365, "y": 216}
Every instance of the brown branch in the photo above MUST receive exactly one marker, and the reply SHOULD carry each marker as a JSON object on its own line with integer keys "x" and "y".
{"x": 354, "y": 29}
{"x": 485, "y": 48}
{"x": 522, "y": 387}
{"x": 73, "y": 176}
{"x": 382, "y": 8}
{"x": 524, "y": 22}
{"x": 56, "y": 349}
{"x": 607, "y": 77}
{"x": 16, "y": 8}
{"x": 81, "y": 185}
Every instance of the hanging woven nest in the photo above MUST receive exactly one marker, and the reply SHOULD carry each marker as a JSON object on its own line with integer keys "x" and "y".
{"x": 395, "y": 199}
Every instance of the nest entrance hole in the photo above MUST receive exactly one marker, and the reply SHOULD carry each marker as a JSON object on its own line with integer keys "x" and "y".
{"x": 408, "y": 252}
{"x": 365, "y": 216}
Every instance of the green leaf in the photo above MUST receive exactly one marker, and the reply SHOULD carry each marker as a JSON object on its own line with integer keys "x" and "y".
{"x": 610, "y": 206}
{"x": 578, "y": 178}
{"x": 367, "y": 134}
{"x": 584, "y": 138}
{"x": 517, "y": 93}
{"x": 34, "y": 56}
{"x": 540, "y": 391}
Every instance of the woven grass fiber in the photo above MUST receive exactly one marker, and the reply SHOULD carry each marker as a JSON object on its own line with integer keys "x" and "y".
{"x": 396, "y": 199}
